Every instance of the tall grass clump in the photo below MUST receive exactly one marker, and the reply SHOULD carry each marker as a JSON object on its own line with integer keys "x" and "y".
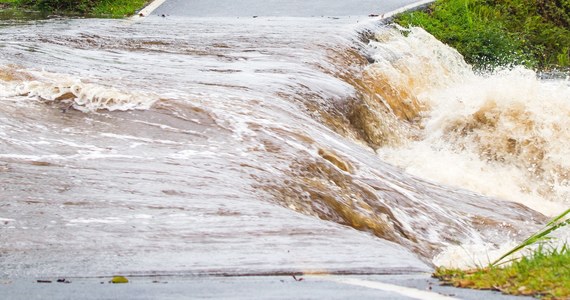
{"x": 78, "y": 6}
{"x": 545, "y": 273}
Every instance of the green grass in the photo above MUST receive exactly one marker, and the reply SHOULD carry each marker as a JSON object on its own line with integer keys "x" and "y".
{"x": 90, "y": 8}
{"x": 7, "y": 3}
{"x": 9, "y": 10}
{"x": 118, "y": 8}
{"x": 491, "y": 33}
{"x": 545, "y": 274}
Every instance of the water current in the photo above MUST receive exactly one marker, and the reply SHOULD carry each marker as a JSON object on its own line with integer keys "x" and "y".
{"x": 265, "y": 145}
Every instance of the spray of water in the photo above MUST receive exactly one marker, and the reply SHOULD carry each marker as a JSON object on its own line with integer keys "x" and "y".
{"x": 503, "y": 134}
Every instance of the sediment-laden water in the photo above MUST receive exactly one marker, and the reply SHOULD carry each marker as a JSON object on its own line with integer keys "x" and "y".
{"x": 266, "y": 145}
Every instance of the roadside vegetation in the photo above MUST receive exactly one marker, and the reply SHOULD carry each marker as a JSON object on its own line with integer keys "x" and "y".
{"x": 91, "y": 8}
{"x": 491, "y": 33}
{"x": 545, "y": 273}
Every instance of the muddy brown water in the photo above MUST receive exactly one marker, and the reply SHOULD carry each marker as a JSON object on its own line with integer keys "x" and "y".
{"x": 226, "y": 146}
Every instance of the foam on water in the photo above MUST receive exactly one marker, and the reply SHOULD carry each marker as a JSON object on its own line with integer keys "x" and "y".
{"x": 69, "y": 90}
{"x": 505, "y": 134}
{"x": 471, "y": 255}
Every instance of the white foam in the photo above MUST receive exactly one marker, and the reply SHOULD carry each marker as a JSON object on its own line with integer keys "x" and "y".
{"x": 135, "y": 138}
{"x": 471, "y": 255}
{"x": 505, "y": 135}
{"x": 81, "y": 95}
{"x": 109, "y": 220}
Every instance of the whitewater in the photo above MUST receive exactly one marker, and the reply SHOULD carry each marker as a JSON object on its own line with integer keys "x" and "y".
{"x": 266, "y": 145}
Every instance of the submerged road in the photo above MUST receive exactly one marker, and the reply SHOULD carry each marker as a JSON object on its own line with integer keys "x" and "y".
{"x": 165, "y": 238}
{"x": 287, "y": 8}
{"x": 412, "y": 286}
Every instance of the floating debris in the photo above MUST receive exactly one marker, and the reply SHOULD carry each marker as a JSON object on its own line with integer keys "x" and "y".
{"x": 43, "y": 281}
{"x": 119, "y": 279}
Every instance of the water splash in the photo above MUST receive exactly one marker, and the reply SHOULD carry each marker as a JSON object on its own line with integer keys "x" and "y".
{"x": 70, "y": 91}
{"x": 503, "y": 134}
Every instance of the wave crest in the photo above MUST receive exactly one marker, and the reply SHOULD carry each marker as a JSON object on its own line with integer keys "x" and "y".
{"x": 74, "y": 92}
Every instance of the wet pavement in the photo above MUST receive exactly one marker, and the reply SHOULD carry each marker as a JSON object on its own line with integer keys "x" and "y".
{"x": 397, "y": 287}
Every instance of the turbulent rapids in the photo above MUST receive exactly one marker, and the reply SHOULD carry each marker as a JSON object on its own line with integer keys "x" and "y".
{"x": 268, "y": 145}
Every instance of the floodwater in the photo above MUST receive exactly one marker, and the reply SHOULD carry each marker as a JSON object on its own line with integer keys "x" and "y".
{"x": 264, "y": 145}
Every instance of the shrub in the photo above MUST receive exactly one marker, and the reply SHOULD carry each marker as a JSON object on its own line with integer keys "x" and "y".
{"x": 80, "y": 6}
{"x": 100, "y": 8}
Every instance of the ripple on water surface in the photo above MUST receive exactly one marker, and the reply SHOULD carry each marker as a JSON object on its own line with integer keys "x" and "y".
{"x": 231, "y": 146}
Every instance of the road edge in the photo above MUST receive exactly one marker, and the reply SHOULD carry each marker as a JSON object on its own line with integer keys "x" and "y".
{"x": 406, "y": 8}
{"x": 147, "y": 10}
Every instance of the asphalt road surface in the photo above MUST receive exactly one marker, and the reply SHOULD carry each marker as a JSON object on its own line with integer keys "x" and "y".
{"x": 394, "y": 287}
{"x": 290, "y": 8}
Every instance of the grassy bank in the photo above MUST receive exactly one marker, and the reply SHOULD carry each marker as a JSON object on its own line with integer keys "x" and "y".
{"x": 544, "y": 274}
{"x": 535, "y": 33}
{"x": 91, "y": 8}
{"x": 7, "y": 4}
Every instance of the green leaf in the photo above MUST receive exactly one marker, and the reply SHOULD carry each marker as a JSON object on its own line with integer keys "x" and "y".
{"x": 119, "y": 279}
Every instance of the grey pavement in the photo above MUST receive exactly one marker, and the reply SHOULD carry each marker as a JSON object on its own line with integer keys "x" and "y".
{"x": 254, "y": 287}
{"x": 289, "y": 8}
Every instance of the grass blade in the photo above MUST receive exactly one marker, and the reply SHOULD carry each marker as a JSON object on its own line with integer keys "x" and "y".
{"x": 538, "y": 236}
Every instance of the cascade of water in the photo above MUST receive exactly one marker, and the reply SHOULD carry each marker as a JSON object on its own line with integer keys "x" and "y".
{"x": 271, "y": 130}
